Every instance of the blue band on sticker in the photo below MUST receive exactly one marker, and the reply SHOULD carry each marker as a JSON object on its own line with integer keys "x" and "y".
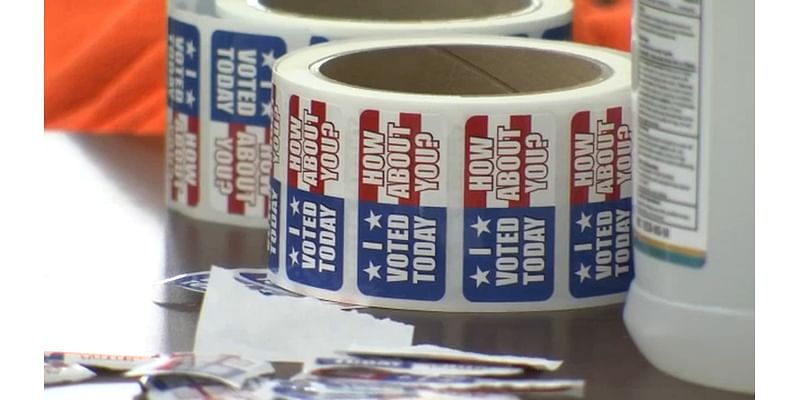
{"x": 169, "y": 382}
{"x": 183, "y": 67}
{"x": 258, "y": 278}
{"x": 267, "y": 288}
{"x": 601, "y": 256}
{"x": 314, "y": 236}
{"x": 241, "y": 77}
{"x": 51, "y": 357}
{"x": 318, "y": 39}
{"x": 274, "y": 234}
{"x": 401, "y": 251}
{"x": 194, "y": 281}
{"x": 508, "y": 254}
{"x": 563, "y": 32}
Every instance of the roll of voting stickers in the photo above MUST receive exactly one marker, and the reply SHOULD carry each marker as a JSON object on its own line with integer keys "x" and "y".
{"x": 219, "y": 155}
{"x": 453, "y": 173}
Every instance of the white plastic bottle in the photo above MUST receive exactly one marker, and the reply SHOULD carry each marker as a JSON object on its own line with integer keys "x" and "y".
{"x": 690, "y": 308}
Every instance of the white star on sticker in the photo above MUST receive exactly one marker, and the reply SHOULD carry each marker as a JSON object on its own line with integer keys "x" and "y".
{"x": 583, "y": 272}
{"x": 373, "y": 220}
{"x": 295, "y": 205}
{"x": 293, "y": 255}
{"x": 190, "y": 49}
{"x": 481, "y": 226}
{"x": 190, "y": 98}
{"x": 480, "y": 277}
{"x": 584, "y": 221}
{"x": 266, "y": 109}
{"x": 268, "y": 59}
{"x": 373, "y": 271}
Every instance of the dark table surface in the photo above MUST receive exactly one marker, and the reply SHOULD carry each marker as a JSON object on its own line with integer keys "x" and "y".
{"x": 114, "y": 238}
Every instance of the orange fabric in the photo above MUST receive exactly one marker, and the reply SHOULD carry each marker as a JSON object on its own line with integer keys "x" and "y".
{"x": 104, "y": 61}
{"x": 104, "y": 68}
{"x": 603, "y": 23}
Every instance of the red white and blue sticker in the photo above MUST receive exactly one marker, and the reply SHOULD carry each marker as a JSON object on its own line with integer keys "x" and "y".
{"x": 193, "y": 281}
{"x": 259, "y": 281}
{"x": 600, "y": 254}
{"x": 402, "y": 205}
{"x": 183, "y": 103}
{"x": 337, "y": 389}
{"x": 355, "y": 367}
{"x": 240, "y": 127}
{"x": 314, "y": 196}
{"x": 274, "y": 215}
{"x": 509, "y": 211}
{"x": 563, "y": 32}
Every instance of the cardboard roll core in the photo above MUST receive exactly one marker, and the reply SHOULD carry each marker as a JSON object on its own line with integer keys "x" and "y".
{"x": 467, "y": 70}
{"x": 392, "y": 10}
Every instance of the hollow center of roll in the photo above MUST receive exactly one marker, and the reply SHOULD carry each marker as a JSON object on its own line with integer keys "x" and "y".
{"x": 394, "y": 10}
{"x": 464, "y": 70}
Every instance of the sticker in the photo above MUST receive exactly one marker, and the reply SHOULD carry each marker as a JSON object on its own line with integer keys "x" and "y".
{"x": 468, "y": 383}
{"x": 118, "y": 362}
{"x": 251, "y": 278}
{"x": 263, "y": 284}
{"x": 353, "y": 367}
{"x": 315, "y": 191}
{"x": 229, "y": 370}
{"x": 310, "y": 389}
{"x": 260, "y": 282}
{"x": 193, "y": 281}
{"x": 440, "y": 354}
{"x": 402, "y": 206}
{"x": 255, "y": 276}
{"x": 180, "y": 387}
{"x": 416, "y": 387}
{"x": 600, "y": 254}
{"x": 240, "y": 127}
{"x": 59, "y": 372}
{"x": 509, "y": 208}
{"x": 274, "y": 221}
{"x": 563, "y": 32}
{"x": 318, "y": 39}
{"x": 183, "y": 103}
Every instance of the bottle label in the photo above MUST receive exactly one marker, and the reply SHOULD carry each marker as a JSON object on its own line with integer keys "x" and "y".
{"x": 671, "y": 152}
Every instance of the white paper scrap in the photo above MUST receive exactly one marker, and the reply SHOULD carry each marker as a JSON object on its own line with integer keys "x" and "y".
{"x": 237, "y": 320}
{"x": 432, "y": 352}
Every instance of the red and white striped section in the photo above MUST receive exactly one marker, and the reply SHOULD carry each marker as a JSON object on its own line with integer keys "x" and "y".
{"x": 401, "y": 159}
{"x": 508, "y": 161}
{"x": 183, "y": 158}
{"x": 600, "y": 157}
{"x": 241, "y": 165}
{"x": 314, "y": 152}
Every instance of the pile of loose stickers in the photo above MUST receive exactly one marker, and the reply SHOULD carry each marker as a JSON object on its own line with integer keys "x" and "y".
{"x": 413, "y": 372}
{"x": 360, "y": 373}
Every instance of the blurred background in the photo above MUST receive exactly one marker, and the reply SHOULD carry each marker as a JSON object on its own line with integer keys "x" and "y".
{"x": 104, "y": 61}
